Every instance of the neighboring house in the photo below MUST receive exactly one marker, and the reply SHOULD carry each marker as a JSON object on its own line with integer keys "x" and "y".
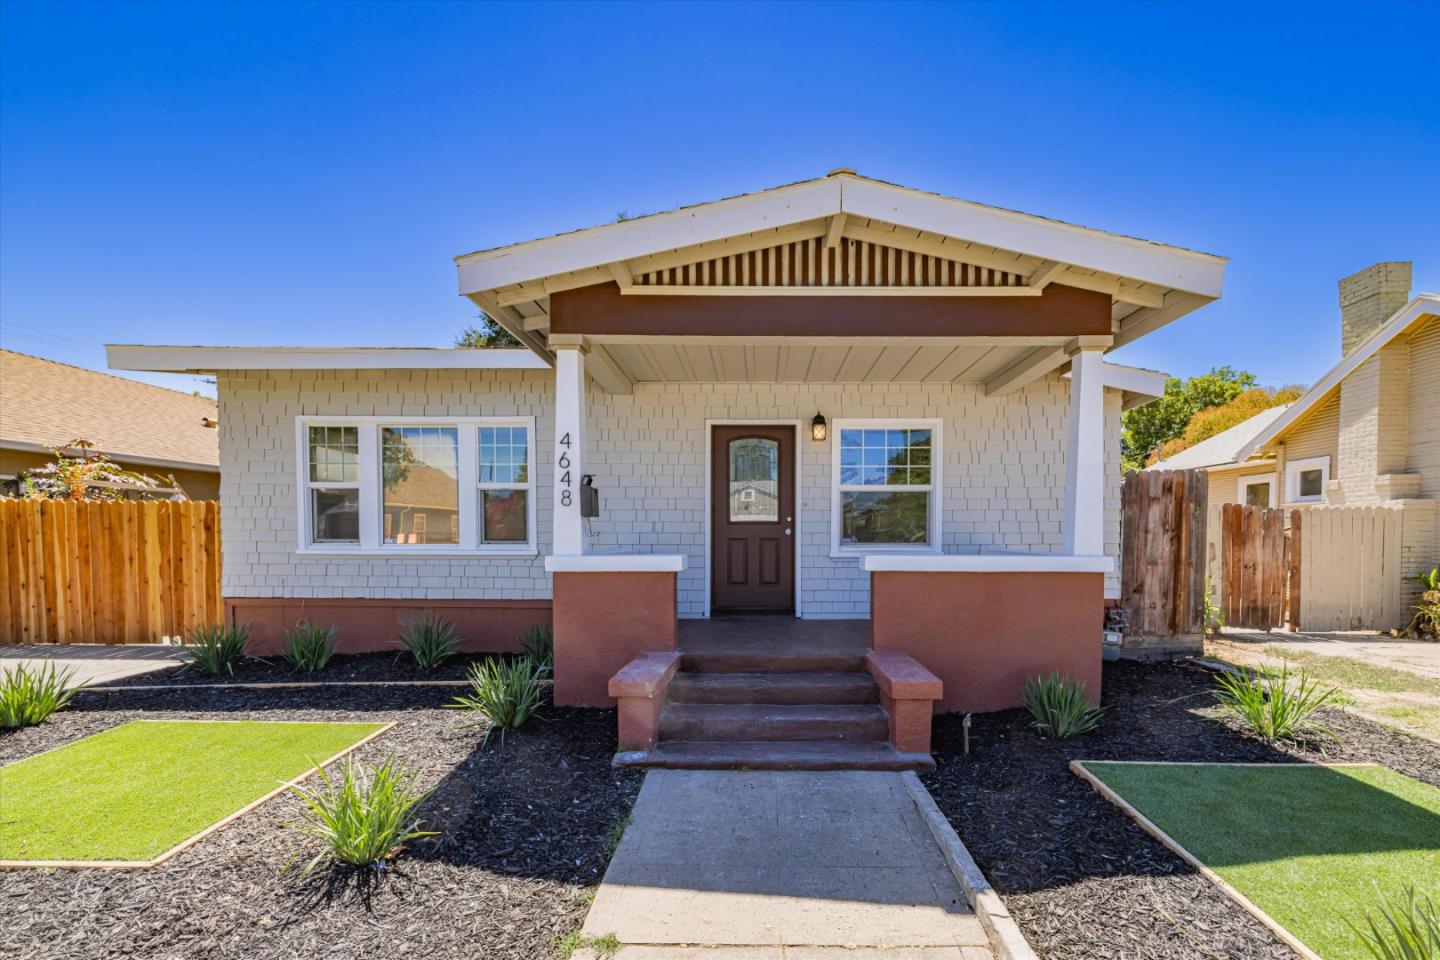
{"x": 1366, "y": 434}
{"x": 159, "y": 432}
{"x": 958, "y": 488}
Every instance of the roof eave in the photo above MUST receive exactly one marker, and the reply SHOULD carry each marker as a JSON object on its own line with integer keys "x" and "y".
{"x": 181, "y": 359}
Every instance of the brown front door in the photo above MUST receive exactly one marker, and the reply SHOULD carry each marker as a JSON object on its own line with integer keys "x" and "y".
{"x": 752, "y": 498}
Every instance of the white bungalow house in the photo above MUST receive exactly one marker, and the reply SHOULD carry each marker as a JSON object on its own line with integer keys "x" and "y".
{"x": 858, "y": 435}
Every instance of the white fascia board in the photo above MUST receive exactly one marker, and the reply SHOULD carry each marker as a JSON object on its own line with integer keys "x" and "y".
{"x": 643, "y": 236}
{"x": 616, "y": 563}
{"x": 1146, "y": 383}
{"x": 1425, "y": 304}
{"x": 986, "y": 563}
{"x": 167, "y": 359}
{"x": 1133, "y": 259}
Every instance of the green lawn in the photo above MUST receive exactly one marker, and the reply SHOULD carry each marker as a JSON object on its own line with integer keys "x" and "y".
{"x": 1307, "y": 844}
{"x": 135, "y": 791}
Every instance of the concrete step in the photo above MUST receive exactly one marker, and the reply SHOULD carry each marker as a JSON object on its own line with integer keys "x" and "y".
{"x": 776, "y": 755}
{"x": 792, "y": 688}
{"x": 764, "y": 721}
{"x": 740, "y": 658}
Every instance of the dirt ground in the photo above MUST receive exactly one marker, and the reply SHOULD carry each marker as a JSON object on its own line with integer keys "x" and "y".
{"x": 1390, "y": 680}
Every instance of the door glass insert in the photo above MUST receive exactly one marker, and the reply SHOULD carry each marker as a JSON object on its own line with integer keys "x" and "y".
{"x": 754, "y": 480}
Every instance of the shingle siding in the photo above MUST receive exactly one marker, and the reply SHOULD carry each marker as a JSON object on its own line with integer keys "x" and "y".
{"x": 1003, "y": 475}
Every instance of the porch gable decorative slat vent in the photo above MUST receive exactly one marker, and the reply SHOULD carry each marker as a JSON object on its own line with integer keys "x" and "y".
{"x": 809, "y": 263}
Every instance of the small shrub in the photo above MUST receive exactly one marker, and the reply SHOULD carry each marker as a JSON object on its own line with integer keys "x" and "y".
{"x": 504, "y": 692}
{"x": 27, "y": 697}
{"x": 216, "y": 647}
{"x": 361, "y": 814}
{"x": 1214, "y": 613}
{"x": 308, "y": 647}
{"x": 1404, "y": 927}
{"x": 1059, "y": 706}
{"x": 1275, "y": 706}
{"x": 431, "y": 640}
{"x": 538, "y": 643}
{"x": 1426, "y": 623}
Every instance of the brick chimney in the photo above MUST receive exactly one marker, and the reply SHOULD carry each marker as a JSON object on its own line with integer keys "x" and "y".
{"x": 1369, "y": 298}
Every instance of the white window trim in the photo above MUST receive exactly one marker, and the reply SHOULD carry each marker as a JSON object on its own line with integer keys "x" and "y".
{"x": 371, "y": 496}
{"x": 1245, "y": 483}
{"x": 1293, "y": 469}
{"x": 935, "y": 489}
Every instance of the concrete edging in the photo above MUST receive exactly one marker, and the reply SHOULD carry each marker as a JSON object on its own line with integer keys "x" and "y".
{"x": 1004, "y": 933}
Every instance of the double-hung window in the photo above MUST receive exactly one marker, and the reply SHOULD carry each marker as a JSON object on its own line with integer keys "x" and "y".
{"x": 886, "y": 485}
{"x": 417, "y": 485}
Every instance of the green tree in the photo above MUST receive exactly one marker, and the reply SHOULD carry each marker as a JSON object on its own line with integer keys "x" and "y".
{"x": 488, "y": 335}
{"x": 70, "y": 477}
{"x": 1147, "y": 427}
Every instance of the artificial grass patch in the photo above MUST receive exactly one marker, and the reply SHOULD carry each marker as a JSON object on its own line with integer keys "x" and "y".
{"x": 1307, "y": 844}
{"x": 135, "y": 791}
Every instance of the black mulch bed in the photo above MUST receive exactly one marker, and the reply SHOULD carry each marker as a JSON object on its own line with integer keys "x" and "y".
{"x": 1082, "y": 880}
{"x": 523, "y": 845}
{"x": 387, "y": 666}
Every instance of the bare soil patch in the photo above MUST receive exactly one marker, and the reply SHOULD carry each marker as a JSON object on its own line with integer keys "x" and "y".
{"x": 1082, "y": 880}
{"x": 523, "y": 843}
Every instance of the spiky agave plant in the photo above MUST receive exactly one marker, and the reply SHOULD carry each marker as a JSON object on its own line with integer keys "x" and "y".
{"x": 308, "y": 647}
{"x": 431, "y": 640}
{"x": 215, "y": 647}
{"x": 361, "y": 815}
{"x": 1402, "y": 927}
{"x": 1275, "y": 705}
{"x": 28, "y": 696}
{"x": 503, "y": 692}
{"x": 538, "y": 643}
{"x": 1059, "y": 706}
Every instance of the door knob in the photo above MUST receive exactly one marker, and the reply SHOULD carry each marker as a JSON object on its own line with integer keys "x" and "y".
{"x": 787, "y": 531}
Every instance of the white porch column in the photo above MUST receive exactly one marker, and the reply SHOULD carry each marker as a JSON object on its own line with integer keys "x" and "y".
{"x": 568, "y": 530}
{"x": 1085, "y": 456}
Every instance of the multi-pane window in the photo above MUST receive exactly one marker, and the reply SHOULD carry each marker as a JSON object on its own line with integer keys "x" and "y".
{"x": 333, "y": 484}
{"x": 376, "y": 484}
{"x": 885, "y": 485}
{"x": 420, "y": 475}
{"x": 504, "y": 481}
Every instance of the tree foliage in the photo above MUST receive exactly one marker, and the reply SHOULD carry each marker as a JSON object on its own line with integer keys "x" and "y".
{"x": 1210, "y": 421}
{"x": 1147, "y": 428}
{"x": 70, "y": 478}
{"x": 487, "y": 335}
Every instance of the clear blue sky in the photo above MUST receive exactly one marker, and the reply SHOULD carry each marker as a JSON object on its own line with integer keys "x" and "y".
{"x": 275, "y": 174}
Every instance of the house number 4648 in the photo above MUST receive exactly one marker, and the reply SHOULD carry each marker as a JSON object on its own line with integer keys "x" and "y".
{"x": 564, "y": 465}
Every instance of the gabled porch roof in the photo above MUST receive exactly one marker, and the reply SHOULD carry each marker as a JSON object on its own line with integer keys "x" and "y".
{"x": 847, "y": 236}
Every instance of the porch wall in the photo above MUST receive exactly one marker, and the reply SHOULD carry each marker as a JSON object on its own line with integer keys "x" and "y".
{"x": 1004, "y": 471}
{"x": 1003, "y": 476}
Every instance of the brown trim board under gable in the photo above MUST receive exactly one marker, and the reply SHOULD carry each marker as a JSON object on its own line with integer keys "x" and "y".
{"x": 602, "y": 309}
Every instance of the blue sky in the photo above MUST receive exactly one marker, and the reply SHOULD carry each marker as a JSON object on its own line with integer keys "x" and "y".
{"x": 275, "y": 174}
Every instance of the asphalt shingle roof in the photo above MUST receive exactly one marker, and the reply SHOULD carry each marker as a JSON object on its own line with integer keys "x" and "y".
{"x": 47, "y": 403}
{"x": 1223, "y": 447}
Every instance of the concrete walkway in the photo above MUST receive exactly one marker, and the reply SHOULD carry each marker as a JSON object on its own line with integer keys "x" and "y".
{"x": 92, "y": 663}
{"x": 771, "y": 865}
{"x": 1420, "y": 657}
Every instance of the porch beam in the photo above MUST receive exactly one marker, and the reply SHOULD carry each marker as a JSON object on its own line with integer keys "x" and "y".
{"x": 1044, "y": 273}
{"x": 1084, "y": 529}
{"x": 1146, "y": 296}
{"x": 513, "y": 322}
{"x": 835, "y": 231}
{"x": 568, "y": 457}
{"x": 677, "y": 290}
{"x": 711, "y": 340}
{"x": 541, "y": 321}
{"x": 1026, "y": 370}
{"x": 606, "y": 372}
{"x": 622, "y": 276}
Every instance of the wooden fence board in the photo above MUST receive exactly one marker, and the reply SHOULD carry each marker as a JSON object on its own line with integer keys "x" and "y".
{"x": 88, "y": 572}
{"x": 1162, "y": 551}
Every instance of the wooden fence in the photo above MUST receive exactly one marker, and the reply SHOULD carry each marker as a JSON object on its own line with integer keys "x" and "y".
{"x": 107, "y": 572}
{"x": 1260, "y": 562}
{"x": 1351, "y": 563}
{"x": 1162, "y": 551}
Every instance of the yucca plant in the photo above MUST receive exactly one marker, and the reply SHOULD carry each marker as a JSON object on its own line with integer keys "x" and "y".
{"x": 28, "y": 696}
{"x": 504, "y": 692}
{"x": 1059, "y": 706}
{"x": 538, "y": 643}
{"x": 215, "y": 647}
{"x": 431, "y": 640}
{"x": 361, "y": 814}
{"x": 308, "y": 647}
{"x": 1402, "y": 927}
{"x": 1275, "y": 705}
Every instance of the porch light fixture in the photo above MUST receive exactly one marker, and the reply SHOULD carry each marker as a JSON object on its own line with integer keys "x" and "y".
{"x": 817, "y": 428}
